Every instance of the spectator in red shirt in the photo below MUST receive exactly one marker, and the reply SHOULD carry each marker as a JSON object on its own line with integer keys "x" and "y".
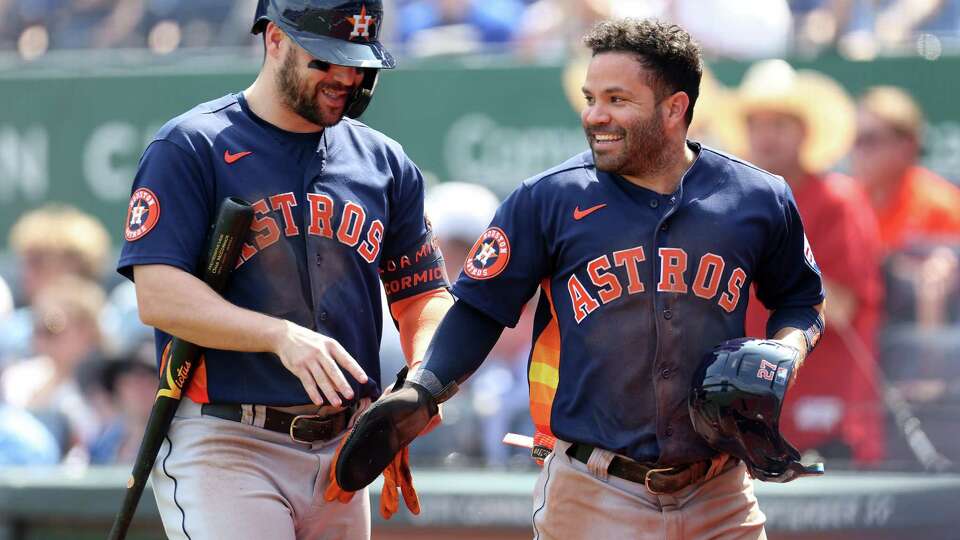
{"x": 918, "y": 211}
{"x": 797, "y": 124}
{"x": 911, "y": 202}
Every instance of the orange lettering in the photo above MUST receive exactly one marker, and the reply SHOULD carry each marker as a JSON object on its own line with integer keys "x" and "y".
{"x": 711, "y": 264}
{"x": 583, "y": 303}
{"x": 283, "y": 202}
{"x": 424, "y": 250}
{"x": 628, "y": 258}
{"x": 610, "y": 287}
{"x": 351, "y": 223}
{"x": 370, "y": 248}
{"x": 728, "y": 300}
{"x": 673, "y": 263}
{"x": 265, "y": 225}
{"x": 321, "y": 210}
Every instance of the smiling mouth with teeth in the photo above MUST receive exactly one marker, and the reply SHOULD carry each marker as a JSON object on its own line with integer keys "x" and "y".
{"x": 606, "y": 137}
{"x": 333, "y": 95}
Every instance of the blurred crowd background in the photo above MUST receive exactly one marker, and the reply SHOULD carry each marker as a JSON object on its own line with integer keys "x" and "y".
{"x": 77, "y": 373}
{"x": 532, "y": 28}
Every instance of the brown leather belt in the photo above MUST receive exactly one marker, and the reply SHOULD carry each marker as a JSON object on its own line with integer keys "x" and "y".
{"x": 302, "y": 428}
{"x": 658, "y": 480}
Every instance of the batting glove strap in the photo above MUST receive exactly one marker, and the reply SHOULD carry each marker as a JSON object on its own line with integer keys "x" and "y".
{"x": 429, "y": 381}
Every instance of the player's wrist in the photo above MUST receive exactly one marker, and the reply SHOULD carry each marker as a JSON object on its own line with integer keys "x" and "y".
{"x": 428, "y": 381}
{"x": 276, "y": 334}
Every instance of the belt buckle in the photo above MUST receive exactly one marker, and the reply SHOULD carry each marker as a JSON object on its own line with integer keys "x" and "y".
{"x": 293, "y": 424}
{"x": 646, "y": 480}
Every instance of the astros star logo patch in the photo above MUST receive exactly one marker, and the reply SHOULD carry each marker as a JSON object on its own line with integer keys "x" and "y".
{"x": 361, "y": 23}
{"x": 489, "y": 256}
{"x": 143, "y": 212}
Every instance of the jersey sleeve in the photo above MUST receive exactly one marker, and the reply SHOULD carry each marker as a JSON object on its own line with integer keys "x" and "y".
{"x": 412, "y": 262}
{"x": 788, "y": 275}
{"x": 169, "y": 210}
{"x": 507, "y": 263}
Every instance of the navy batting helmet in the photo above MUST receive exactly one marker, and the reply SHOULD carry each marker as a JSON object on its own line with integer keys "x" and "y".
{"x": 341, "y": 32}
{"x": 735, "y": 404}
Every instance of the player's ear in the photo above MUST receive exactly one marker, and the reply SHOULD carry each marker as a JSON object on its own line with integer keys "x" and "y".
{"x": 675, "y": 109}
{"x": 273, "y": 38}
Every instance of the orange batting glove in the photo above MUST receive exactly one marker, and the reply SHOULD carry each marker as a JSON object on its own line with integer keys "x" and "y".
{"x": 396, "y": 476}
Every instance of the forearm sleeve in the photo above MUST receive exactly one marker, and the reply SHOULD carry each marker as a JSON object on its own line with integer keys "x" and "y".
{"x": 462, "y": 342}
{"x": 809, "y": 320}
{"x": 417, "y": 319}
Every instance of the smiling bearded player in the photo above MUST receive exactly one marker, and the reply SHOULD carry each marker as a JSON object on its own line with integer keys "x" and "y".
{"x": 644, "y": 248}
{"x": 291, "y": 351}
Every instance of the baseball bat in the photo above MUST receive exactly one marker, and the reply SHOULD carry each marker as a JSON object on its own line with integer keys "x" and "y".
{"x": 180, "y": 357}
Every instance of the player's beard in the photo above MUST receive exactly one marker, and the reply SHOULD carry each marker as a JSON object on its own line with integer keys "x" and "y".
{"x": 642, "y": 152}
{"x": 301, "y": 98}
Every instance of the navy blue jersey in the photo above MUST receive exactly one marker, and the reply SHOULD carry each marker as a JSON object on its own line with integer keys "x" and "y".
{"x": 637, "y": 287}
{"x": 336, "y": 213}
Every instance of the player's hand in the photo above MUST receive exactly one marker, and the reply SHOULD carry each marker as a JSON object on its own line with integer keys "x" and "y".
{"x": 317, "y": 361}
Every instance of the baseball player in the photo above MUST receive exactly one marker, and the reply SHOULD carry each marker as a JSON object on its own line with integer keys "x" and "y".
{"x": 644, "y": 248}
{"x": 292, "y": 349}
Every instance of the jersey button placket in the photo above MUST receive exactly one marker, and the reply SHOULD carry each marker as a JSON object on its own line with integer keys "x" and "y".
{"x": 324, "y": 315}
{"x": 667, "y": 314}
{"x": 654, "y": 203}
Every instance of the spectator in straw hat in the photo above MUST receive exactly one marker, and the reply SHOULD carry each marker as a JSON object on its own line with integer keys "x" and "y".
{"x": 796, "y": 125}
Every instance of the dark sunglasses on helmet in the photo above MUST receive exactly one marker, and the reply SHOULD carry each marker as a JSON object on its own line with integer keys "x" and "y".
{"x": 319, "y": 64}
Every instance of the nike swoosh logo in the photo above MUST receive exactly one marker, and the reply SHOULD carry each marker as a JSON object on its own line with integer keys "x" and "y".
{"x": 580, "y": 214}
{"x": 232, "y": 158}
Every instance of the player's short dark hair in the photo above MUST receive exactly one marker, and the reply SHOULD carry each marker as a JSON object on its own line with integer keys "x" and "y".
{"x": 667, "y": 51}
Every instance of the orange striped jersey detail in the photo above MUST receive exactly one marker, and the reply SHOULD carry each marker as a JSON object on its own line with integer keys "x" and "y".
{"x": 544, "y": 371}
{"x": 197, "y": 389}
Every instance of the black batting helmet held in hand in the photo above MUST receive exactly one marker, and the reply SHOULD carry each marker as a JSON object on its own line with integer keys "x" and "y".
{"x": 735, "y": 404}
{"x": 341, "y": 32}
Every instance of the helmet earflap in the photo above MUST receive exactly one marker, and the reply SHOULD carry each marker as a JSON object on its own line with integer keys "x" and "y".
{"x": 363, "y": 94}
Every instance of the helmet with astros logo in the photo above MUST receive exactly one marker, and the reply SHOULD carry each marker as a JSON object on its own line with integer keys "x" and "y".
{"x": 341, "y": 32}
